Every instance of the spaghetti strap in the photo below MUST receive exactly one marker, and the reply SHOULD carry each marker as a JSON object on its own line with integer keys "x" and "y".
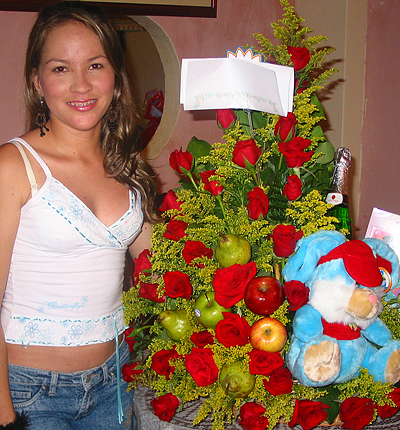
{"x": 28, "y": 167}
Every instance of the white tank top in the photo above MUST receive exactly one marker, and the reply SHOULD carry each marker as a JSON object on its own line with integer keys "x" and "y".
{"x": 65, "y": 282}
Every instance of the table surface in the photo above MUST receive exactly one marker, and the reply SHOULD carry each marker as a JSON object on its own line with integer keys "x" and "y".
{"x": 184, "y": 419}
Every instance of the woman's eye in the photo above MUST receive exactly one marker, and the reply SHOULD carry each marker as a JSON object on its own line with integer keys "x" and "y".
{"x": 96, "y": 66}
{"x": 60, "y": 69}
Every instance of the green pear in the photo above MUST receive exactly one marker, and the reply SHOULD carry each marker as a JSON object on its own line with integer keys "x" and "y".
{"x": 232, "y": 249}
{"x": 175, "y": 323}
{"x": 235, "y": 381}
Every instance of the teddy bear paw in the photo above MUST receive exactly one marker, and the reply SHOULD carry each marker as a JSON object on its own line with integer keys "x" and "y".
{"x": 322, "y": 361}
{"x": 392, "y": 371}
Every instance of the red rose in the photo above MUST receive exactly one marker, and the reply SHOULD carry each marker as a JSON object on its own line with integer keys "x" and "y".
{"x": 177, "y": 284}
{"x": 299, "y": 56}
{"x": 165, "y": 406}
{"x": 175, "y": 230}
{"x": 201, "y": 365}
{"x": 252, "y": 417}
{"x": 285, "y": 127}
{"x": 292, "y": 189}
{"x": 150, "y": 292}
{"x": 297, "y": 294}
{"x": 356, "y": 412}
{"x": 294, "y": 153}
{"x": 195, "y": 249}
{"x": 129, "y": 338}
{"x": 229, "y": 283}
{"x": 285, "y": 238}
{"x": 225, "y": 118}
{"x": 280, "y": 382}
{"x": 233, "y": 330}
{"x": 258, "y": 204}
{"x": 202, "y": 339}
{"x": 264, "y": 363}
{"x": 181, "y": 161}
{"x": 170, "y": 202}
{"x": 129, "y": 371}
{"x": 388, "y": 411}
{"x": 161, "y": 362}
{"x": 141, "y": 264}
{"x": 214, "y": 187}
{"x": 246, "y": 150}
{"x": 308, "y": 413}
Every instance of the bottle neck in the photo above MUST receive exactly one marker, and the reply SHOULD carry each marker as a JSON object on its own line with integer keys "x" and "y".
{"x": 340, "y": 176}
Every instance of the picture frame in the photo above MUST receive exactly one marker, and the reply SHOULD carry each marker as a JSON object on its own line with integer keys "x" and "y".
{"x": 189, "y": 8}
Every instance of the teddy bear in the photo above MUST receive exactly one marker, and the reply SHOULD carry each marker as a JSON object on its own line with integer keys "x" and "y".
{"x": 339, "y": 329}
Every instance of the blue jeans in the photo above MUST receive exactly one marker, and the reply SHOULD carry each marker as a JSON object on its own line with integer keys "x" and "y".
{"x": 73, "y": 401}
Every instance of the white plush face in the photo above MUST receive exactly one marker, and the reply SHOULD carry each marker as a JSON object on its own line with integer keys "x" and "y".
{"x": 337, "y": 302}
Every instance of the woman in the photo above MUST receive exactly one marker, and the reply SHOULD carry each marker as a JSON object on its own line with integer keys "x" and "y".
{"x": 74, "y": 192}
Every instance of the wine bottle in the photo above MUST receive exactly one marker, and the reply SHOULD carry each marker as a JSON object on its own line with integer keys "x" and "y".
{"x": 339, "y": 190}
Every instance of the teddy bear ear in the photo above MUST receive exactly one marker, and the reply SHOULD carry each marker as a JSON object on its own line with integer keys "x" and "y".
{"x": 383, "y": 250}
{"x": 301, "y": 265}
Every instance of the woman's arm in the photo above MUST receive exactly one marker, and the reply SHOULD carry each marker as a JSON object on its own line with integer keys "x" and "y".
{"x": 14, "y": 192}
{"x": 142, "y": 241}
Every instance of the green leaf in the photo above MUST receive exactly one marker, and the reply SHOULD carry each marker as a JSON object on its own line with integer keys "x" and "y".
{"x": 328, "y": 152}
{"x": 331, "y": 400}
{"x": 317, "y": 132}
{"x": 320, "y": 111}
{"x": 259, "y": 120}
{"x": 243, "y": 119}
{"x": 198, "y": 148}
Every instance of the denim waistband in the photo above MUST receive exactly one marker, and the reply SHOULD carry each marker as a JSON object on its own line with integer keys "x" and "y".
{"x": 86, "y": 378}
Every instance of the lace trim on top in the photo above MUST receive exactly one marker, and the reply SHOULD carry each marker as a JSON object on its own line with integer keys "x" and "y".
{"x": 60, "y": 199}
{"x": 35, "y": 331}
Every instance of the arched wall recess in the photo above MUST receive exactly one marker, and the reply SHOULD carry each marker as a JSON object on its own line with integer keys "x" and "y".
{"x": 171, "y": 67}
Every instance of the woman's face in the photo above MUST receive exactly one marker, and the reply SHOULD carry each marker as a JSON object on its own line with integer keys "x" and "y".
{"x": 75, "y": 78}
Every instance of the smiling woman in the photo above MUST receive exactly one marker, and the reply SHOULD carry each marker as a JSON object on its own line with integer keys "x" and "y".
{"x": 75, "y": 78}
{"x": 75, "y": 196}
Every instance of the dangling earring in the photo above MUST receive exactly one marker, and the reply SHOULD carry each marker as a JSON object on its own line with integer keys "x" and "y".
{"x": 112, "y": 122}
{"x": 41, "y": 118}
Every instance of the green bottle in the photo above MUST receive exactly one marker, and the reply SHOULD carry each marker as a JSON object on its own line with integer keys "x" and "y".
{"x": 339, "y": 190}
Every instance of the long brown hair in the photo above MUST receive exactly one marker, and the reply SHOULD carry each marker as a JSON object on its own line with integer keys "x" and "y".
{"x": 121, "y": 147}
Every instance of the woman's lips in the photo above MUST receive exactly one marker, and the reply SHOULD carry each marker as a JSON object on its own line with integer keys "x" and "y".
{"x": 83, "y": 105}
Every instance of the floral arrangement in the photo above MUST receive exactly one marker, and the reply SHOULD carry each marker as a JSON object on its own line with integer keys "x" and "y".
{"x": 240, "y": 209}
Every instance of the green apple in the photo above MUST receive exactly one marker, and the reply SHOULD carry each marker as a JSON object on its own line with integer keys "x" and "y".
{"x": 208, "y": 312}
{"x": 235, "y": 381}
{"x": 175, "y": 323}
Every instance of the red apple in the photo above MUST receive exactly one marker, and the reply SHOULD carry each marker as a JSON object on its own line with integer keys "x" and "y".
{"x": 268, "y": 334}
{"x": 263, "y": 295}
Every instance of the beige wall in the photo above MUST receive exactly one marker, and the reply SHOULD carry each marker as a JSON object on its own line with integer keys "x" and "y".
{"x": 14, "y": 30}
{"x": 344, "y": 23}
{"x": 380, "y": 142}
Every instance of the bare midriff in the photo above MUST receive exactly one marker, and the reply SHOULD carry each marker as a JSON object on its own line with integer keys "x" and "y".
{"x": 61, "y": 358}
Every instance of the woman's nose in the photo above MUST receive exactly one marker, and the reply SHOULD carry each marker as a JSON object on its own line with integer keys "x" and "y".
{"x": 81, "y": 83}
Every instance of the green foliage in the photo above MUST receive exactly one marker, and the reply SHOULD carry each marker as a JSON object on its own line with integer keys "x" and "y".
{"x": 391, "y": 317}
{"x": 364, "y": 386}
{"x": 208, "y": 215}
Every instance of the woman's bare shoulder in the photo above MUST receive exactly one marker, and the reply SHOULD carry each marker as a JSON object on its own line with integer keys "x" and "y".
{"x": 13, "y": 177}
{"x": 10, "y": 157}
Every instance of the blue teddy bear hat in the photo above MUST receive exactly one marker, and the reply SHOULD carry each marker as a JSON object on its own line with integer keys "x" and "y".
{"x": 339, "y": 329}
